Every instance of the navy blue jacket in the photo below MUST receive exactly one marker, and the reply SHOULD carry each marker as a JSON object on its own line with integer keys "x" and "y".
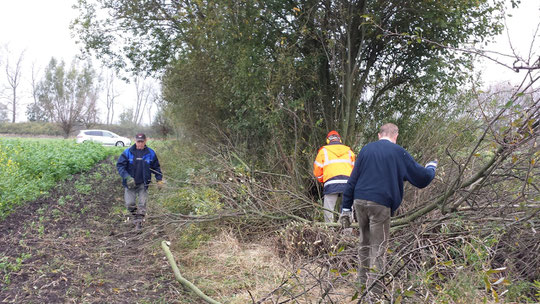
{"x": 336, "y": 184}
{"x": 126, "y": 167}
{"x": 379, "y": 172}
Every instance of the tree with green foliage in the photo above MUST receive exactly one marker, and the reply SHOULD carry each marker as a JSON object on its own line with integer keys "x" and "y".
{"x": 279, "y": 74}
{"x": 162, "y": 123}
{"x": 68, "y": 95}
{"x": 126, "y": 117}
{"x": 3, "y": 113}
{"x": 35, "y": 112}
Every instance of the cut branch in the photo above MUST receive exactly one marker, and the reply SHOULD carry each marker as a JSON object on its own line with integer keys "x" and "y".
{"x": 181, "y": 279}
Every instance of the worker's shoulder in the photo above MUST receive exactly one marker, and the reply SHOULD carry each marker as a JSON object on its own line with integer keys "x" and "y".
{"x": 383, "y": 146}
{"x": 151, "y": 151}
{"x": 127, "y": 150}
{"x": 336, "y": 146}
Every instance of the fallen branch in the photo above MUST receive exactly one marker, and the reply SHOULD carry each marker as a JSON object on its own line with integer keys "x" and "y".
{"x": 180, "y": 278}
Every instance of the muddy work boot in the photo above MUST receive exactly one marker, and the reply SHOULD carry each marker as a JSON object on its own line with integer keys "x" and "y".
{"x": 138, "y": 225}
{"x": 138, "y": 221}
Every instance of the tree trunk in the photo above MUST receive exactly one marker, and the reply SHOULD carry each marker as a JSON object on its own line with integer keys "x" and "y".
{"x": 352, "y": 85}
{"x": 14, "y": 105}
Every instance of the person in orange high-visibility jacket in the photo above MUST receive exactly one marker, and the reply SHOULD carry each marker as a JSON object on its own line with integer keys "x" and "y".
{"x": 332, "y": 167}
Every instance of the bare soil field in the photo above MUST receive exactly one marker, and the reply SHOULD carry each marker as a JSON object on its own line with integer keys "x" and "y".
{"x": 75, "y": 246}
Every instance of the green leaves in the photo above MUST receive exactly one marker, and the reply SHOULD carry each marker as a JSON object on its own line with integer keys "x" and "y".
{"x": 260, "y": 71}
{"x": 403, "y": 294}
{"x": 28, "y": 168}
{"x": 68, "y": 94}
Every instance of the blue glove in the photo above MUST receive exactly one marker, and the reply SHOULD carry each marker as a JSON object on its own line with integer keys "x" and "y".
{"x": 432, "y": 164}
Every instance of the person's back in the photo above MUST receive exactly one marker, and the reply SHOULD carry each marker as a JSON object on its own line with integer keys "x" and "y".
{"x": 332, "y": 167}
{"x": 375, "y": 189}
{"x": 382, "y": 168}
{"x": 337, "y": 161}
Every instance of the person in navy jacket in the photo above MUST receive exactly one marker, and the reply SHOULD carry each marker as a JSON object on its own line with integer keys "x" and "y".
{"x": 375, "y": 189}
{"x": 136, "y": 165}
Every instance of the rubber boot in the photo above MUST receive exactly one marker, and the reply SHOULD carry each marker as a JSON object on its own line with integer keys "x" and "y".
{"x": 139, "y": 218}
{"x": 138, "y": 225}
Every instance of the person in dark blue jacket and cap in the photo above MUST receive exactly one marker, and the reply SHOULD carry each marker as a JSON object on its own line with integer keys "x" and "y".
{"x": 375, "y": 188}
{"x": 136, "y": 165}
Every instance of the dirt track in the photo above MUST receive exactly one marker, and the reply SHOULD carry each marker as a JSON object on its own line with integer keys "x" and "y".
{"x": 74, "y": 246}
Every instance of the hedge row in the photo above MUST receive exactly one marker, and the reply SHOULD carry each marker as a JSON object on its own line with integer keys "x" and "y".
{"x": 52, "y": 129}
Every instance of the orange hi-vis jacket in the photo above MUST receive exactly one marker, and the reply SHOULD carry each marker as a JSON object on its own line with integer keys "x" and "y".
{"x": 333, "y": 160}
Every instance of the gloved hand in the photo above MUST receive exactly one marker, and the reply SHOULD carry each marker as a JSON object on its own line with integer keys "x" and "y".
{"x": 160, "y": 184}
{"x": 130, "y": 182}
{"x": 345, "y": 218}
{"x": 432, "y": 164}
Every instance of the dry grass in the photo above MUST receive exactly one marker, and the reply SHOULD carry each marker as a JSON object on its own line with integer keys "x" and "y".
{"x": 235, "y": 272}
{"x": 229, "y": 271}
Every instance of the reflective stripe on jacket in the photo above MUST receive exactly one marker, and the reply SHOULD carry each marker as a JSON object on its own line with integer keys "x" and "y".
{"x": 333, "y": 160}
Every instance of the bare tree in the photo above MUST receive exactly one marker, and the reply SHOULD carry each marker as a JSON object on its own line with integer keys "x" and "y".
{"x": 149, "y": 109}
{"x": 156, "y": 101}
{"x": 13, "y": 77}
{"x": 89, "y": 116}
{"x": 33, "y": 82}
{"x": 110, "y": 96}
{"x": 145, "y": 95}
{"x": 35, "y": 111}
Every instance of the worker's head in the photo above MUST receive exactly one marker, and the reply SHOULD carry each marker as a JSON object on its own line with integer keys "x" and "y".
{"x": 333, "y": 137}
{"x": 389, "y": 131}
{"x": 140, "y": 141}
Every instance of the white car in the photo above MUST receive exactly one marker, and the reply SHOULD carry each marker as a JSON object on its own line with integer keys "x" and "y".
{"x": 104, "y": 137}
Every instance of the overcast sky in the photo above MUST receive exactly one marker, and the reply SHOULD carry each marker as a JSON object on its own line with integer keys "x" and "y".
{"x": 518, "y": 37}
{"x": 41, "y": 28}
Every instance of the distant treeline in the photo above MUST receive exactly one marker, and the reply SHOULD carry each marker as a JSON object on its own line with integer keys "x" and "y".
{"x": 52, "y": 129}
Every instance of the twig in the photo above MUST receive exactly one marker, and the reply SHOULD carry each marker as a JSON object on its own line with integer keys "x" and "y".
{"x": 273, "y": 291}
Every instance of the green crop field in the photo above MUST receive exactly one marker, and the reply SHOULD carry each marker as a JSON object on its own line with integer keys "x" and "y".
{"x": 30, "y": 167}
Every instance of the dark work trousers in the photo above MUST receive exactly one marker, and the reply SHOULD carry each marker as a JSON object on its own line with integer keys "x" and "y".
{"x": 374, "y": 223}
{"x": 136, "y": 208}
